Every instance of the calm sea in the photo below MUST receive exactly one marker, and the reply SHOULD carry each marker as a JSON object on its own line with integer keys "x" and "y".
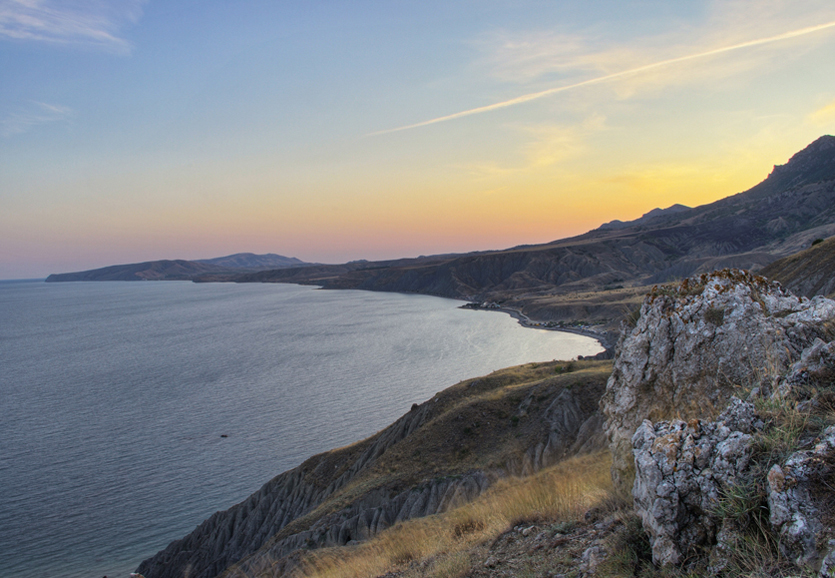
{"x": 114, "y": 398}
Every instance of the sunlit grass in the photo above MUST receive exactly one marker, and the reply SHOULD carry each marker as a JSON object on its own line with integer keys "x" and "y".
{"x": 441, "y": 543}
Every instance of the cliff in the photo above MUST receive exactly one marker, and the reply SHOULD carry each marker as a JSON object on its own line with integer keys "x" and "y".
{"x": 440, "y": 454}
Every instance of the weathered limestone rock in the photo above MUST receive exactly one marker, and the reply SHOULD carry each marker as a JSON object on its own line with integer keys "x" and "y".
{"x": 682, "y": 471}
{"x": 815, "y": 367}
{"x": 695, "y": 345}
{"x": 801, "y": 502}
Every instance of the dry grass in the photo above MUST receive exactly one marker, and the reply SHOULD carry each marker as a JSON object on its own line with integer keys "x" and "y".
{"x": 442, "y": 543}
{"x": 487, "y": 424}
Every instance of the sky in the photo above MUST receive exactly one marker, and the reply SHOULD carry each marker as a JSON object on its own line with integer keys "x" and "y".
{"x": 328, "y": 130}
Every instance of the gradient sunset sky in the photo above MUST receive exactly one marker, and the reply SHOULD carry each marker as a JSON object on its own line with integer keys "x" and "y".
{"x": 338, "y": 130}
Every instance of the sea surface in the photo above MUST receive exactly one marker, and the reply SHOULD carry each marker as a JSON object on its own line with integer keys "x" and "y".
{"x": 115, "y": 399}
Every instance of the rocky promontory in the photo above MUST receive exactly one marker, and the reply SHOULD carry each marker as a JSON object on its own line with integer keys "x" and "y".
{"x": 719, "y": 414}
{"x": 698, "y": 343}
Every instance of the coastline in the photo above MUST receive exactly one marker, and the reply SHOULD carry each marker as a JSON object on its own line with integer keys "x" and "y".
{"x": 197, "y": 442}
{"x": 525, "y": 321}
{"x": 607, "y": 340}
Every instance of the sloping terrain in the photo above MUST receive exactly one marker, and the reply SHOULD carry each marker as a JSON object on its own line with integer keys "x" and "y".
{"x": 165, "y": 270}
{"x": 808, "y": 273}
{"x": 440, "y": 454}
{"x": 180, "y": 269}
{"x": 253, "y": 261}
{"x": 780, "y": 216}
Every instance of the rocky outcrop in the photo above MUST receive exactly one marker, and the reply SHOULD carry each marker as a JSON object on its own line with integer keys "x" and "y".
{"x": 801, "y": 503}
{"x": 694, "y": 481}
{"x": 695, "y": 345}
{"x": 698, "y": 481}
{"x": 683, "y": 470}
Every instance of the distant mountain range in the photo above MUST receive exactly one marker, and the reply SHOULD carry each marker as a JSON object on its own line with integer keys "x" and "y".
{"x": 253, "y": 261}
{"x": 778, "y": 217}
{"x": 181, "y": 270}
{"x": 645, "y": 219}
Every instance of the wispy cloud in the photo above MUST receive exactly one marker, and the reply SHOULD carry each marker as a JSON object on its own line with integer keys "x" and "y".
{"x": 96, "y": 23}
{"x": 824, "y": 115}
{"x": 38, "y": 113}
{"x": 535, "y": 58}
{"x": 547, "y": 145}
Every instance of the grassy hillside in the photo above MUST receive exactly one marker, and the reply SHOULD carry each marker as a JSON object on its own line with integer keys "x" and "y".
{"x": 440, "y": 454}
{"x": 810, "y": 272}
{"x": 451, "y": 544}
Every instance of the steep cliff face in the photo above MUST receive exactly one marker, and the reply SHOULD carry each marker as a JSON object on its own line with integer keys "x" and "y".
{"x": 695, "y": 345}
{"x": 442, "y": 453}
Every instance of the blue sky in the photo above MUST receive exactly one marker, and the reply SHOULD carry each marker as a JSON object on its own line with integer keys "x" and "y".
{"x": 333, "y": 131}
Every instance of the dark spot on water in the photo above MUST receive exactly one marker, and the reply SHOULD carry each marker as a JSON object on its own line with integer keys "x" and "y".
{"x": 224, "y": 436}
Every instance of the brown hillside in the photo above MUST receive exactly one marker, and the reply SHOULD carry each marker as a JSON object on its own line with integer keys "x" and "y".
{"x": 809, "y": 273}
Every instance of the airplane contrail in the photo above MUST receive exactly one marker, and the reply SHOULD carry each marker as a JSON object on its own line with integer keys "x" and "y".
{"x": 599, "y": 79}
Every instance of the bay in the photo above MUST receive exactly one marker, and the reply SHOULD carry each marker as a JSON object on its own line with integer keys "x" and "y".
{"x": 116, "y": 397}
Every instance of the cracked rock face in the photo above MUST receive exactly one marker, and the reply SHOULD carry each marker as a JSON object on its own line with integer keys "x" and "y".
{"x": 801, "y": 501}
{"x": 682, "y": 471}
{"x": 695, "y": 345}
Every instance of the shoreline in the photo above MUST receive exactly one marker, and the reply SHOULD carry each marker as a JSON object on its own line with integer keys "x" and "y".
{"x": 527, "y": 322}
{"x": 602, "y": 338}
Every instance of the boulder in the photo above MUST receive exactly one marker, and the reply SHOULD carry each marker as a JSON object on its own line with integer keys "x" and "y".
{"x": 696, "y": 345}
{"x": 683, "y": 472}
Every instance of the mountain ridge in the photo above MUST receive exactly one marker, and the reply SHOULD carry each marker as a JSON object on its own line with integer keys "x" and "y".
{"x": 776, "y": 217}
{"x": 180, "y": 269}
{"x": 554, "y": 282}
